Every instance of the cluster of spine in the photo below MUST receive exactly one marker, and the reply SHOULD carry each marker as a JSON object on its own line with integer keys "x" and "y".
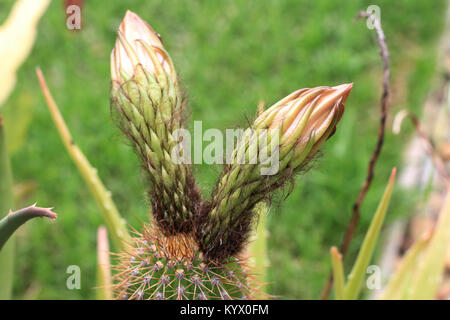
{"x": 161, "y": 268}
{"x": 193, "y": 249}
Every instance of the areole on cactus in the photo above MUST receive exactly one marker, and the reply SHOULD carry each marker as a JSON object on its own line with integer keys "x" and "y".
{"x": 193, "y": 248}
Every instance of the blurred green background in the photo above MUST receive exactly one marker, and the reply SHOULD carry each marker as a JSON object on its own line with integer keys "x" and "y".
{"x": 230, "y": 54}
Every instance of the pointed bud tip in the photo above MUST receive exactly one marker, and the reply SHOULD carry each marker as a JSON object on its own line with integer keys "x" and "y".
{"x": 130, "y": 15}
{"x": 138, "y": 44}
{"x": 135, "y": 28}
{"x": 344, "y": 89}
{"x": 131, "y": 18}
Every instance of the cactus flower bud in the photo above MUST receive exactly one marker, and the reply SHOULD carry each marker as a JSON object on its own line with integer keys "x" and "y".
{"x": 306, "y": 119}
{"x": 148, "y": 102}
{"x": 301, "y": 123}
{"x": 138, "y": 44}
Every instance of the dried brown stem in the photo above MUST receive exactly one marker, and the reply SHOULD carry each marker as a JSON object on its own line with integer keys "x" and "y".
{"x": 351, "y": 227}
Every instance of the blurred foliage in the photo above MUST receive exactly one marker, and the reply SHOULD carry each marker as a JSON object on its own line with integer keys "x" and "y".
{"x": 356, "y": 277}
{"x": 19, "y": 117}
{"x": 17, "y": 35}
{"x": 7, "y": 251}
{"x": 230, "y": 54}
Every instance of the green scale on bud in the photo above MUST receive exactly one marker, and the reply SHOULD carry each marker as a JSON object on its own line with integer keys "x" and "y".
{"x": 290, "y": 132}
{"x": 146, "y": 96}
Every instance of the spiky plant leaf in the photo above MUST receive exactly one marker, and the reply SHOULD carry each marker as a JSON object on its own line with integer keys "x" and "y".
{"x": 114, "y": 222}
{"x": 355, "y": 279}
{"x": 14, "y": 220}
{"x": 398, "y": 284}
{"x": 338, "y": 273}
{"x": 429, "y": 272}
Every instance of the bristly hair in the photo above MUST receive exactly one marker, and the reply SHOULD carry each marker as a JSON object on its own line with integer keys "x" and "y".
{"x": 232, "y": 239}
{"x": 168, "y": 202}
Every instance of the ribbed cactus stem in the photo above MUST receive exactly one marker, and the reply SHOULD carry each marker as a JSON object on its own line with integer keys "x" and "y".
{"x": 158, "y": 267}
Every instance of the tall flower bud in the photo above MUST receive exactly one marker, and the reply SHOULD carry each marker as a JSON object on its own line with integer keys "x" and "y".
{"x": 140, "y": 62}
{"x": 294, "y": 129}
{"x": 148, "y": 103}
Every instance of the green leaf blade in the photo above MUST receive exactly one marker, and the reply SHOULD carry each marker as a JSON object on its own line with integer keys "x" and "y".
{"x": 114, "y": 222}
{"x": 355, "y": 279}
{"x": 430, "y": 270}
{"x": 338, "y": 273}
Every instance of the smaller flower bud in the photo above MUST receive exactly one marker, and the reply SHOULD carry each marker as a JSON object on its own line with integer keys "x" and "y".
{"x": 306, "y": 119}
{"x": 288, "y": 134}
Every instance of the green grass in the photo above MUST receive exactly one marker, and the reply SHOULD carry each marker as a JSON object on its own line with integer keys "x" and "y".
{"x": 230, "y": 54}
